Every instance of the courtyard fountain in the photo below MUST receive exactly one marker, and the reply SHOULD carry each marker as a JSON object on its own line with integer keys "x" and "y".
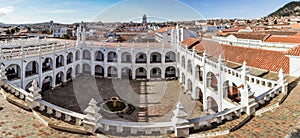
{"x": 115, "y": 105}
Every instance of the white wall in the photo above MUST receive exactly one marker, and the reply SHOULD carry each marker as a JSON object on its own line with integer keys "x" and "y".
{"x": 294, "y": 65}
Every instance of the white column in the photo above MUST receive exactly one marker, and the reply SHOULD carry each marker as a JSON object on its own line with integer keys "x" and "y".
{"x": 148, "y": 63}
{"x": 133, "y": 54}
{"x": 194, "y": 93}
{"x": 119, "y": 62}
{"x": 105, "y": 61}
{"x": 163, "y": 63}
{"x": 220, "y": 91}
{"x": 204, "y": 82}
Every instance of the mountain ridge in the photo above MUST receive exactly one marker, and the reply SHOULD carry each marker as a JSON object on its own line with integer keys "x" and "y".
{"x": 289, "y": 9}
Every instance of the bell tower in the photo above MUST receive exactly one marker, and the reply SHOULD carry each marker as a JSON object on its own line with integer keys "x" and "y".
{"x": 144, "y": 20}
{"x": 81, "y": 33}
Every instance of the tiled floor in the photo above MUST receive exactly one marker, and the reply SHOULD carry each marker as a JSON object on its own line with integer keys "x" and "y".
{"x": 16, "y": 122}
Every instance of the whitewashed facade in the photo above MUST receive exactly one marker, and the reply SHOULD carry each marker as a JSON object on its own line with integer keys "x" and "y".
{"x": 53, "y": 63}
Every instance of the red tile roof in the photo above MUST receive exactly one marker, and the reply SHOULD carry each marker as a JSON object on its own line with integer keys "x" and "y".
{"x": 164, "y": 29}
{"x": 259, "y": 58}
{"x": 283, "y": 39}
{"x": 295, "y": 51}
{"x": 190, "y": 42}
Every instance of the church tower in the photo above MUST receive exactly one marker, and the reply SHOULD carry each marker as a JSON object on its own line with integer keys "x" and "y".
{"x": 144, "y": 20}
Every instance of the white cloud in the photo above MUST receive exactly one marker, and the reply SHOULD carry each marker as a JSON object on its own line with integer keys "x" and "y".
{"x": 6, "y": 10}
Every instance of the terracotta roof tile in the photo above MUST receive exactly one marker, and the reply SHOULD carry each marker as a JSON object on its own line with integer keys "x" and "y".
{"x": 190, "y": 42}
{"x": 164, "y": 29}
{"x": 290, "y": 39}
{"x": 295, "y": 51}
{"x": 253, "y": 36}
{"x": 259, "y": 58}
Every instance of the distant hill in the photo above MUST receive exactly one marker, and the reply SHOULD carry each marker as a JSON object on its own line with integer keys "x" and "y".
{"x": 290, "y": 9}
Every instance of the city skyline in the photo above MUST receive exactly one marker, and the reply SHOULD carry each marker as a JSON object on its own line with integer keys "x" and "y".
{"x": 70, "y": 11}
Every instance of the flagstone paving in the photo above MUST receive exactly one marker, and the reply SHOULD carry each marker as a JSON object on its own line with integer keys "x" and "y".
{"x": 16, "y": 122}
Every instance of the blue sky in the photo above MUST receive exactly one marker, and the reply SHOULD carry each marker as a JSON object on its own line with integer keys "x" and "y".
{"x": 69, "y": 11}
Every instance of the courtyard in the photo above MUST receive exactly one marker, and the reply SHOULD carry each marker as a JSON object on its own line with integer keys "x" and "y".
{"x": 153, "y": 100}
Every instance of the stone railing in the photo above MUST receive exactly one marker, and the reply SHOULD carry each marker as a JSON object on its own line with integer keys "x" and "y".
{"x": 23, "y": 42}
{"x": 134, "y": 128}
{"x": 266, "y": 96}
{"x": 14, "y": 90}
{"x": 58, "y": 112}
{"x": 218, "y": 117}
{"x": 261, "y": 81}
{"x": 50, "y": 47}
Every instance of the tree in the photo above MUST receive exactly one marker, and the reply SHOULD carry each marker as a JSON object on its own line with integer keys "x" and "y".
{"x": 7, "y": 31}
{"x": 17, "y": 29}
{"x": 65, "y": 36}
{"x": 12, "y": 31}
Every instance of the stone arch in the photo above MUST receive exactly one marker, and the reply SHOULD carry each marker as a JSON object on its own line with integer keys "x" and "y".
{"x": 126, "y": 73}
{"x": 190, "y": 67}
{"x": 225, "y": 89}
{"x": 170, "y": 72}
{"x": 141, "y": 58}
{"x": 13, "y": 72}
{"x": 47, "y": 64}
{"x": 99, "y": 56}
{"x": 86, "y": 54}
{"x": 155, "y": 57}
{"x": 59, "y": 61}
{"x": 200, "y": 94}
{"x": 59, "y": 77}
{"x": 70, "y": 58}
{"x": 211, "y": 81}
{"x": 112, "y": 56}
{"x": 141, "y": 73}
{"x": 155, "y": 73}
{"x": 199, "y": 73}
{"x": 99, "y": 70}
{"x": 212, "y": 105}
{"x": 47, "y": 83}
{"x": 32, "y": 68}
{"x": 86, "y": 68}
{"x": 231, "y": 91}
{"x": 69, "y": 74}
{"x": 126, "y": 57}
{"x": 77, "y": 69}
{"x": 170, "y": 57}
{"x": 178, "y": 57}
{"x": 77, "y": 55}
{"x": 190, "y": 86}
{"x": 29, "y": 85}
{"x": 182, "y": 78}
{"x": 183, "y": 61}
{"x": 112, "y": 71}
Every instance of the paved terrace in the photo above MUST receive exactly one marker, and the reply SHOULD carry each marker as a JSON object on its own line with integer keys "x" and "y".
{"x": 18, "y": 123}
{"x": 276, "y": 123}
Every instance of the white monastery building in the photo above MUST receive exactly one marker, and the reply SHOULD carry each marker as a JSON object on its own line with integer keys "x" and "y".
{"x": 229, "y": 76}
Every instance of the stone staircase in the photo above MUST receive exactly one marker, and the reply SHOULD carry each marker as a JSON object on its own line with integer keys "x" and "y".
{"x": 142, "y": 114}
